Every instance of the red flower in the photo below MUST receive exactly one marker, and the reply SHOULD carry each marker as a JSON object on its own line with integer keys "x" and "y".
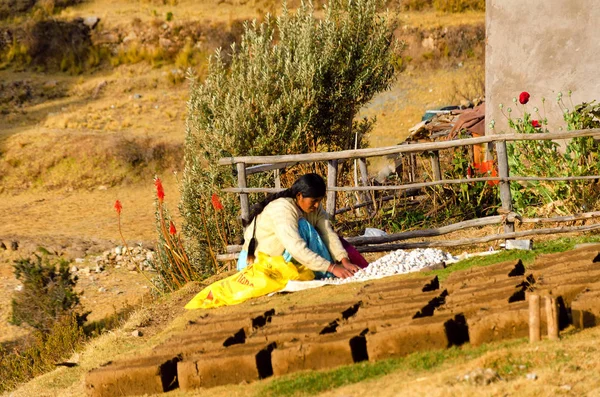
{"x": 469, "y": 171}
{"x": 118, "y": 207}
{"x": 160, "y": 192}
{"x": 172, "y": 229}
{"x": 216, "y": 202}
{"x": 535, "y": 124}
{"x": 524, "y": 97}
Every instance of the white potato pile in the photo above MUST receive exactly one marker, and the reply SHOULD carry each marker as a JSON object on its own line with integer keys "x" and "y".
{"x": 397, "y": 262}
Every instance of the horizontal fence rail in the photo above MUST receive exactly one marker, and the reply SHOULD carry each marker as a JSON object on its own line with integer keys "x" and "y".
{"x": 386, "y": 243}
{"x": 419, "y": 185}
{"x": 412, "y": 148}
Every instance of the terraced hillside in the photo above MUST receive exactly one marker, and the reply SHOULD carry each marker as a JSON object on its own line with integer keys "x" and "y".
{"x": 383, "y": 319}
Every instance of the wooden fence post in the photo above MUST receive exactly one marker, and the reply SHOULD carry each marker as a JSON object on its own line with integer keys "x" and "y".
{"x": 534, "y": 318}
{"x": 364, "y": 179}
{"x": 552, "y": 317}
{"x": 412, "y": 161}
{"x": 332, "y": 170}
{"x": 244, "y": 203}
{"x": 277, "y": 179}
{"x": 503, "y": 172}
{"x": 435, "y": 165}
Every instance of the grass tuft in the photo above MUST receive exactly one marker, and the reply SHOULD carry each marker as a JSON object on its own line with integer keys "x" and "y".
{"x": 312, "y": 383}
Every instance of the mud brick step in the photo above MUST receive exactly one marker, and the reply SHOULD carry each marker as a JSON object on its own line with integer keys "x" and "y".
{"x": 148, "y": 375}
{"x": 281, "y": 335}
{"x": 569, "y": 291}
{"x": 393, "y": 295}
{"x": 222, "y": 326}
{"x": 585, "y": 309}
{"x": 412, "y": 308}
{"x": 331, "y": 307}
{"x": 189, "y": 343}
{"x": 486, "y": 299}
{"x": 242, "y": 363}
{"x": 400, "y": 296}
{"x": 429, "y": 333}
{"x": 498, "y": 271}
{"x": 391, "y": 284}
{"x": 502, "y": 323}
{"x": 399, "y": 302}
{"x": 567, "y": 267}
{"x": 378, "y": 313}
{"x": 482, "y": 283}
{"x": 475, "y": 305}
{"x": 380, "y": 323}
{"x": 330, "y": 351}
{"x": 550, "y": 281}
{"x": 548, "y": 261}
{"x": 227, "y": 323}
{"x": 513, "y": 290}
{"x": 314, "y": 317}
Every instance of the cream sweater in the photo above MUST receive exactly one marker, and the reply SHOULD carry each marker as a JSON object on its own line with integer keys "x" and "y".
{"x": 277, "y": 230}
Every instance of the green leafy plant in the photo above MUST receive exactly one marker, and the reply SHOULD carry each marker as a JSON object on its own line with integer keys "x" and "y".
{"x": 41, "y": 354}
{"x": 547, "y": 159}
{"x": 172, "y": 263}
{"x": 47, "y": 294}
{"x": 294, "y": 84}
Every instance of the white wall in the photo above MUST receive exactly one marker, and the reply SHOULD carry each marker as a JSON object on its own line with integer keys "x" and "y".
{"x": 542, "y": 47}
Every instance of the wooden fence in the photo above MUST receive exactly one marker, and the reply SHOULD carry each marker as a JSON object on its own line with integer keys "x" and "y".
{"x": 247, "y": 165}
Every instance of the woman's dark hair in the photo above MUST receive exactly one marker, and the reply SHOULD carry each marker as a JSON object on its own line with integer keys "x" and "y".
{"x": 309, "y": 185}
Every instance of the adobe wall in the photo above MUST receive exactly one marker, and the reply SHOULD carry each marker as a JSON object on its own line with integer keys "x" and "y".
{"x": 543, "y": 47}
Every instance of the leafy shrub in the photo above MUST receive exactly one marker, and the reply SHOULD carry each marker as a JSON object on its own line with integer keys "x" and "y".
{"x": 294, "y": 84}
{"x": 47, "y": 295}
{"x": 21, "y": 363}
{"x": 580, "y": 157}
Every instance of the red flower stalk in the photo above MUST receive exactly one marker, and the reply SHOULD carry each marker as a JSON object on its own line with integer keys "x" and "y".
{"x": 216, "y": 202}
{"x": 535, "y": 124}
{"x": 172, "y": 229}
{"x": 524, "y": 97}
{"x": 118, "y": 207}
{"x": 160, "y": 192}
{"x": 469, "y": 171}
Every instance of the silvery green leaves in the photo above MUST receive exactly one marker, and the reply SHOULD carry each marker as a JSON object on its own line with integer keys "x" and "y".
{"x": 294, "y": 84}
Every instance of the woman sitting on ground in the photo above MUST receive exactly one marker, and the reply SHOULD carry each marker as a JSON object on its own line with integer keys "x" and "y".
{"x": 293, "y": 224}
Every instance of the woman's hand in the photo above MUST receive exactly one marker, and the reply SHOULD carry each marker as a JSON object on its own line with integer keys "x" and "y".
{"x": 339, "y": 271}
{"x": 351, "y": 267}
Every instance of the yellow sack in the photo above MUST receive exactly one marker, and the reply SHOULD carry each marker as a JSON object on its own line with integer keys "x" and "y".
{"x": 267, "y": 274}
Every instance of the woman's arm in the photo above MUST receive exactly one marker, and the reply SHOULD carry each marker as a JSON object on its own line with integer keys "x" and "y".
{"x": 329, "y": 236}
{"x": 285, "y": 218}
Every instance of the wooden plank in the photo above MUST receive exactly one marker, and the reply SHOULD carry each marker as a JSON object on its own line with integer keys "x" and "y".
{"x": 232, "y": 249}
{"x": 277, "y": 180}
{"x": 267, "y": 167}
{"x": 568, "y": 218}
{"x": 447, "y": 229}
{"x": 244, "y": 202}
{"x": 477, "y": 240}
{"x": 414, "y": 148}
{"x": 227, "y": 257}
{"x": 534, "y": 318}
{"x": 332, "y": 170}
{"x": 364, "y": 180}
{"x": 420, "y": 185}
{"x": 490, "y": 220}
{"x": 503, "y": 172}
{"x": 407, "y": 193}
{"x": 435, "y": 166}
